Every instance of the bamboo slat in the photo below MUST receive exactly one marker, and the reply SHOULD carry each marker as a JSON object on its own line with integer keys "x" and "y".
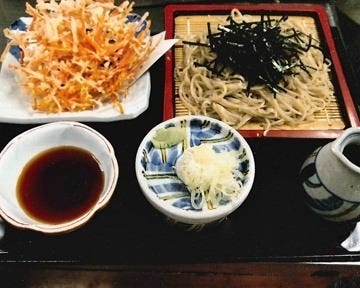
{"x": 188, "y": 25}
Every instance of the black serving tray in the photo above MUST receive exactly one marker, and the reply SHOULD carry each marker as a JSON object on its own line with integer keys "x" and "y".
{"x": 273, "y": 224}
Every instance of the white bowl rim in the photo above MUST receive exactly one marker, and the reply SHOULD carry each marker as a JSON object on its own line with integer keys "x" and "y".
{"x": 189, "y": 216}
{"x": 81, "y": 220}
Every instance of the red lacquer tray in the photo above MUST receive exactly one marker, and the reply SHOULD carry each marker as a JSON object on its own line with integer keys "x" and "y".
{"x": 341, "y": 113}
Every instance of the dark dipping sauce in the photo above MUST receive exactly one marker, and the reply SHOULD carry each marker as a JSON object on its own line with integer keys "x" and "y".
{"x": 60, "y": 184}
{"x": 352, "y": 153}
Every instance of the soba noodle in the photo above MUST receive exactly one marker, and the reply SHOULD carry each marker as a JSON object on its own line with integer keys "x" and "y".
{"x": 226, "y": 98}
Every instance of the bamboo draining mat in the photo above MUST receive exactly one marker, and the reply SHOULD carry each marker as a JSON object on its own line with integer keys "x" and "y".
{"x": 330, "y": 118}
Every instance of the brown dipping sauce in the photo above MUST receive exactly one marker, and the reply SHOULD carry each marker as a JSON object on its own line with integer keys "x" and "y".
{"x": 60, "y": 184}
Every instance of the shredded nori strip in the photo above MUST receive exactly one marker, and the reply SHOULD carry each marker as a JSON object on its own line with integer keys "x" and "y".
{"x": 259, "y": 51}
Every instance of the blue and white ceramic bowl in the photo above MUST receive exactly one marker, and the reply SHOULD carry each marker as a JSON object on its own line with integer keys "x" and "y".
{"x": 155, "y": 169}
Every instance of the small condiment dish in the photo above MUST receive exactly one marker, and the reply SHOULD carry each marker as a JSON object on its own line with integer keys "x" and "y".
{"x": 160, "y": 183}
{"x": 27, "y": 146}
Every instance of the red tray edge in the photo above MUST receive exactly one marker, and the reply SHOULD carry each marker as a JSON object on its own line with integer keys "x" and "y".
{"x": 351, "y": 111}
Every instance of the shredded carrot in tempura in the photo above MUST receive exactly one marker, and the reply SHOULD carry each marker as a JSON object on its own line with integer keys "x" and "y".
{"x": 80, "y": 54}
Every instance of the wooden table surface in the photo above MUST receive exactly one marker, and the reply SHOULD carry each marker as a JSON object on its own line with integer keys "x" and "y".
{"x": 261, "y": 275}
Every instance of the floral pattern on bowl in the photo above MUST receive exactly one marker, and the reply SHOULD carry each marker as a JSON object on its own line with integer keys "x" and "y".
{"x": 155, "y": 168}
